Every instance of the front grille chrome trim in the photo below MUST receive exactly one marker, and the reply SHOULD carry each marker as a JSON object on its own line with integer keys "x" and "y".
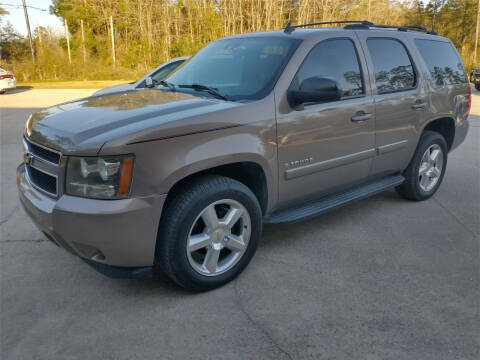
{"x": 26, "y": 144}
{"x": 34, "y": 160}
{"x": 29, "y": 179}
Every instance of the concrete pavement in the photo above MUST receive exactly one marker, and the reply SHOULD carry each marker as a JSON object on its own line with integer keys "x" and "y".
{"x": 383, "y": 278}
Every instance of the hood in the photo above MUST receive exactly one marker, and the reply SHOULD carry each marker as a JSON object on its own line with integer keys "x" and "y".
{"x": 83, "y": 126}
{"x": 116, "y": 88}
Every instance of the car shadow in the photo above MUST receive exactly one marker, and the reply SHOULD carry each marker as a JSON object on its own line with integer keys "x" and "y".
{"x": 163, "y": 285}
{"x": 330, "y": 219}
{"x": 18, "y": 89}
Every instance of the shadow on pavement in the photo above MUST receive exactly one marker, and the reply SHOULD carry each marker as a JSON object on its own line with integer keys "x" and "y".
{"x": 18, "y": 89}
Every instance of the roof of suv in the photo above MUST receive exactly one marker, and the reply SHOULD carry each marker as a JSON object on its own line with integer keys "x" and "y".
{"x": 306, "y": 33}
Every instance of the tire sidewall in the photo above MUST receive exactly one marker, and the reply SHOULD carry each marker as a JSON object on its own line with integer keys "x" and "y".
{"x": 184, "y": 272}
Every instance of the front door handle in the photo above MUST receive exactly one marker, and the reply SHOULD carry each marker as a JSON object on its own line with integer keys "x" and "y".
{"x": 361, "y": 116}
{"x": 419, "y": 105}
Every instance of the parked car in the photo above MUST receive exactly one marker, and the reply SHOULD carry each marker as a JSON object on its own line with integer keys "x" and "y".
{"x": 156, "y": 76}
{"x": 475, "y": 78}
{"x": 264, "y": 128}
{"x": 474, "y": 73}
{"x": 7, "y": 81}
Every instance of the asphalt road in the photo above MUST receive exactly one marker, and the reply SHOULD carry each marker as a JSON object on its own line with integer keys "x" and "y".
{"x": 383, "y": 278}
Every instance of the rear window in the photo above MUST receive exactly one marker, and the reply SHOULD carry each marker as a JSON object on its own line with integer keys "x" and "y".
{"x": 443, "y": 61}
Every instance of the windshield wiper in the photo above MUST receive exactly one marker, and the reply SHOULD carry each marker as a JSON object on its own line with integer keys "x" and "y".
{"x": 208, "y": 89}
{"x": 167, "y": 84}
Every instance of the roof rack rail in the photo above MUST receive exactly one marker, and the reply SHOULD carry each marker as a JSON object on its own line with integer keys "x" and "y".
{"x": 360, "y": 25}
{"x": 289, "y": 28}
{"x": 399, "y": 28}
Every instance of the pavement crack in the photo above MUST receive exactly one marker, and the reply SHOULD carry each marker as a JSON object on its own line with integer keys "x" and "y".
{"x": 28, "y": 241}
{"x": 9, "y": 216}
{"x": 262, "y": 329}
{"x": 460, "y": 222}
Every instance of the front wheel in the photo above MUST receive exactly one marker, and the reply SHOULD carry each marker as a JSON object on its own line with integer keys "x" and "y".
{"x": 208, "y": 233}
{"x": 425, "y": 172}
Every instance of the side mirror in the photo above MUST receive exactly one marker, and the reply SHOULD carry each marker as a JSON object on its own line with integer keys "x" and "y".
{"x": 149, "y": 82}
{"x": 314, "y": 90}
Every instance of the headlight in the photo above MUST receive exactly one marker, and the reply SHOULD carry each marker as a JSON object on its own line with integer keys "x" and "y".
{"x": 106, "y": 177}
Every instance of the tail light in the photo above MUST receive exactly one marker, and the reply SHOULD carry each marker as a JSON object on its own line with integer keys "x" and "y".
{"x": 469, "y": 99}
{"x": 6, "y": 77}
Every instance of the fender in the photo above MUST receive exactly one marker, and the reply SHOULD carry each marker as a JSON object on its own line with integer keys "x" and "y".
{"x": 161, "y": 164}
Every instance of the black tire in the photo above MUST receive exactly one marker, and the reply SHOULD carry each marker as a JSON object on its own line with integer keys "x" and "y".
{"x": 177, "y": 219}
{"x": 477, "y": 86}
{"x": 410, "y": 189}
{"x": 2, "y": 92}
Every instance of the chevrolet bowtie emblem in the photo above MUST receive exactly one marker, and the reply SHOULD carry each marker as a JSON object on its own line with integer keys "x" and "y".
{"x": 27, "y": 158}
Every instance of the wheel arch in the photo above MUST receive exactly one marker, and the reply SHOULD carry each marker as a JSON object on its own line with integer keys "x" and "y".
{"x": 250, "y": 173}
{"x": 445, "y": 126}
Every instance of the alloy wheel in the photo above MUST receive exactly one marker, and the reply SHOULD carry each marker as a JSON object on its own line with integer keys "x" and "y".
{"x": 218, "y": 237}
{"x": 430, "y": 168}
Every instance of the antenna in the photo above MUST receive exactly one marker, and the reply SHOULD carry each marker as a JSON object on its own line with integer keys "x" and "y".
{"x": 288, "y": 29}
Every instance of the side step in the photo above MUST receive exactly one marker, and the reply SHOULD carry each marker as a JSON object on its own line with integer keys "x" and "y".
{"x": 330, "y": 202}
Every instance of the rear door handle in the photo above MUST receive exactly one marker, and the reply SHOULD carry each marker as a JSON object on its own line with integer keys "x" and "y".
{"x": 361, "y": 116}
{"x": 418, "y": 105}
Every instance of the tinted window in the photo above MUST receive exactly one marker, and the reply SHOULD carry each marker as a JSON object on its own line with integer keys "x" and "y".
{"x": 337, "y": 59}
{"x": 392, "y": 66}
{"x": 166, "y": 70}
{"x": 240, "y": 68}
{"x": 443, "y": 62}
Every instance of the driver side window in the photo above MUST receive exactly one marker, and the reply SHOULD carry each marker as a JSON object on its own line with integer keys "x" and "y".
{"x": 336, "y": 58}
{"x": 162, "y": 73}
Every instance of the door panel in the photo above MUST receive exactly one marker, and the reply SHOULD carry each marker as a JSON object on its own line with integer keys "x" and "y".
{"x": 400, "y": 101}
{"x": 320, "y": 149}
{"x": 395, "y": 132}
{"x": 327, "y": 146}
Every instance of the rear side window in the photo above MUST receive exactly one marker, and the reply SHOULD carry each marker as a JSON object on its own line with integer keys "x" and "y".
{"x": 392, "y": 66}
{"x": 444, "y": 64}
{"x": 337, "y": 59}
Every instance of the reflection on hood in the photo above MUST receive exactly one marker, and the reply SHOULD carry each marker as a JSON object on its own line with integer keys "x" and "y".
{"x": 86, "y": 124}
{"x": 136, "y": 99}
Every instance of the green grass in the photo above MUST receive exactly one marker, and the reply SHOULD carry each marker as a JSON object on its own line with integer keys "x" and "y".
{"x": 60, "y": 84}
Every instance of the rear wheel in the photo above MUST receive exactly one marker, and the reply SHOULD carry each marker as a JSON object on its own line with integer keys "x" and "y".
{"x": 2, "y": 92}
{"x": 208, "y": 233}
{"x": 425, "y": 172}
{"x": 477, "y": 86}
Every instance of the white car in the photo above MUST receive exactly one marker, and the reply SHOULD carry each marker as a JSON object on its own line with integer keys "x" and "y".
{"x": 156, "y": 76}
{"x": 7, "y": 81}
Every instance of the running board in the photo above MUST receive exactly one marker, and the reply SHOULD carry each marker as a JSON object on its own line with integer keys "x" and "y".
{"x": 330, "y": 202}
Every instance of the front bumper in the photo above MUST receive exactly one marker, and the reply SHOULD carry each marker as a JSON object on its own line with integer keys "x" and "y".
{"x": 119, "y": 233}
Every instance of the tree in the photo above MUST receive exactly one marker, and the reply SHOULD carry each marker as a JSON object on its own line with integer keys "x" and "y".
{"x": 149, "y": 32}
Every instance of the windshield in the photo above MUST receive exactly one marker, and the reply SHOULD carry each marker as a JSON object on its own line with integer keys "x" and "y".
{"x": 239, "y": 68}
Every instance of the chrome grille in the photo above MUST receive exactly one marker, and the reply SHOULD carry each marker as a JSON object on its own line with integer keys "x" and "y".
{"x": 42, "y": 167}
{"x": 45, "y": 154}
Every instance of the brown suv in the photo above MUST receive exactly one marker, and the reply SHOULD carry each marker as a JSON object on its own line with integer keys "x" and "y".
{"x": 271, "y": 127}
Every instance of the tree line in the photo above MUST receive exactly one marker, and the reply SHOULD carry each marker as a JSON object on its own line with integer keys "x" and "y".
{"x": 149, "y": 32}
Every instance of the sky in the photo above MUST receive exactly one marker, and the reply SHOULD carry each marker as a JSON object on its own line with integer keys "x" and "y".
{"x": 37, "y": 17}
